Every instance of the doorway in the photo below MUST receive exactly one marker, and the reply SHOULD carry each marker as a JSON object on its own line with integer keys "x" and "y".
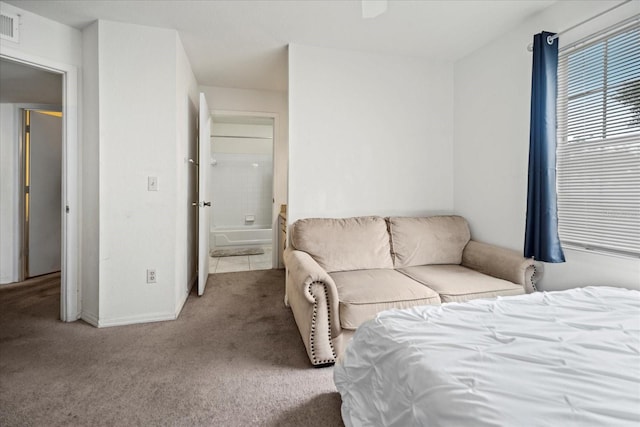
{"x": 241, "y": 185}
{"x": 30, "y": 93}
{"x": 41, "y": 207}
{"x": 30, "y": 82}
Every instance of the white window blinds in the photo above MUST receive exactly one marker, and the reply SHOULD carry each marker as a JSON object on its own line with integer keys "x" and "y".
{"x": 598, "y": 147}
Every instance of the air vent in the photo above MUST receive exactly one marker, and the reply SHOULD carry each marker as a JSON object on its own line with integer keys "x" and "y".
{"x": 9, "y": 27}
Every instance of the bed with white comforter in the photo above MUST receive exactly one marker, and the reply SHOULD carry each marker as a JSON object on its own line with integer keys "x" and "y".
{"x": 569, "y": 358}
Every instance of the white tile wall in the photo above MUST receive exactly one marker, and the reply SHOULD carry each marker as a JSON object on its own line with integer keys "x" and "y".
{"x": 241, "y": 184}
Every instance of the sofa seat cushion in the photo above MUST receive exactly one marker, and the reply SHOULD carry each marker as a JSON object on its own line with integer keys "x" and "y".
{"x": 428, "y": 240}
{"x": 364, "y": 293}
{"x": 344, "y": 244}
{"x": 456, "y": 283}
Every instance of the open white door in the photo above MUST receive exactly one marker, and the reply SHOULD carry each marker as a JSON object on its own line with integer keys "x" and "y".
{"x": 43, "y": 206}
{"x": 204, "y": 207}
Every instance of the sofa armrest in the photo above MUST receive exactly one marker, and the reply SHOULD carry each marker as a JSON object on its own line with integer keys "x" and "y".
{"x": 499, "y": 262}
{"x": 313, "y": 298}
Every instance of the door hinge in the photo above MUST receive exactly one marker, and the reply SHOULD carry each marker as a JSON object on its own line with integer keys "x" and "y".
{"x": 27, "y": 128}
{"x": 26, "y": 189}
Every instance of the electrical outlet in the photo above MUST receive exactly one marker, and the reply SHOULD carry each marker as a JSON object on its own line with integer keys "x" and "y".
{"x": 152, "y": 183}
{"x": 151, "y": 275}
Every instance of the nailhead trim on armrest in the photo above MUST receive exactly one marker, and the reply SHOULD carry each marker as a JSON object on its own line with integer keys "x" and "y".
{"x": 533, "y": 282}
{"x": 317, "y": 361}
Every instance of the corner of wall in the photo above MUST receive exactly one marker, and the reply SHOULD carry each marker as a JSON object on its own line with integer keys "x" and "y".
{"x": 186, "y": 137}
{"x": 9, "y": 209}
{"x": 90, "y": 170}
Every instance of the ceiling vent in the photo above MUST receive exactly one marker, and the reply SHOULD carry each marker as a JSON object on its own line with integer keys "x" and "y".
{"x": 9, "y": 27}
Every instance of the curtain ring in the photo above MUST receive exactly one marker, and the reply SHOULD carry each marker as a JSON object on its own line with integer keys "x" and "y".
{"x": 550, "y": 40}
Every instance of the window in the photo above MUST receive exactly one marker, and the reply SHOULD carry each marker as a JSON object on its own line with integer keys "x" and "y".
{"x": 598, "y": 147}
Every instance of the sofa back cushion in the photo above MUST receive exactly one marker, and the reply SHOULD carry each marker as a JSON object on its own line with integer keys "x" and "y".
{"x": 342, "y": 244}
{"x": 428, "y": 240}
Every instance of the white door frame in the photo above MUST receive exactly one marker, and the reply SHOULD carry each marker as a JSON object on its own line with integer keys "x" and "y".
{"x": 275, "y": 211}
{"x": 69, "y": 288}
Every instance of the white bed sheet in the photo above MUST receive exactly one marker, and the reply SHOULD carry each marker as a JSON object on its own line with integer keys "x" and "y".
{"x": 569, "y": 358}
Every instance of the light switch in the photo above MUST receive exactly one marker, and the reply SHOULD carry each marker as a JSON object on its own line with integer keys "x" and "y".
{"x": 152, "y": 183}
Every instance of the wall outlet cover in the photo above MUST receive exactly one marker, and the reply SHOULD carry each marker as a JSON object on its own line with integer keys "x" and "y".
{"x": 151, "y": 275}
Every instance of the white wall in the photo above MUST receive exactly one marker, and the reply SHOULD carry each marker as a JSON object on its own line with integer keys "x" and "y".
{"x": 9, "y": 181}
{"x": 90, "y": 229}
{"x": 140, "y": 123}
{"x": 44, "y": 38}
{"x": 242, "y": 138}
{"x": 137, "y": 139}
{"x": 492, "y": 102}
{"x": 369, "y": 134}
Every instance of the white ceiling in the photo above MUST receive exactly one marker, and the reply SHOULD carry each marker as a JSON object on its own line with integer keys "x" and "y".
{"x": 242, "y": 43}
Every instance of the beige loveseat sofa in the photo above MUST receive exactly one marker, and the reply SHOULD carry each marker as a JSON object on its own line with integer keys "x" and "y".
{"x": 342, "y": 272}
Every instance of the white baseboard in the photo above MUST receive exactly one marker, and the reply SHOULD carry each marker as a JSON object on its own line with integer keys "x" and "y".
{"x": 90, "y": 318}
{"x": 192, "y": 282}
{"x": 93, "y": 320}
{"x": 183, "y": 300}
{"x": 132, "y": 320}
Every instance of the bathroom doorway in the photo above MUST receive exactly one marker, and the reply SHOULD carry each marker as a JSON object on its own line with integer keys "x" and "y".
{"x": 242, "y": 170}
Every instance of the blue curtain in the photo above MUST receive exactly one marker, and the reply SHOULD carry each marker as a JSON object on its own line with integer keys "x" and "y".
{"x": 541, "y": 233}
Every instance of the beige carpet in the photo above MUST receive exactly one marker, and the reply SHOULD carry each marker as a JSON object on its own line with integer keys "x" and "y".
{"x": 233, "y": 358}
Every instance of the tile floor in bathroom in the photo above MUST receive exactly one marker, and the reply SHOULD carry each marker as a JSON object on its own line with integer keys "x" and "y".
{"x": 228, "y": 264}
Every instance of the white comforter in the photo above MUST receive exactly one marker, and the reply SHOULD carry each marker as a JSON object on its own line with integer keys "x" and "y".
{"x": 568, "y": 358}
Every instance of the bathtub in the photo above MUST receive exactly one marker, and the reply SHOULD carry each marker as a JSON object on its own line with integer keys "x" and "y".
{"x": 240, "y": 236}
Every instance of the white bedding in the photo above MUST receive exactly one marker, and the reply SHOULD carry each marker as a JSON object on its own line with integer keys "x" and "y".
{"x": 569, "y": 358}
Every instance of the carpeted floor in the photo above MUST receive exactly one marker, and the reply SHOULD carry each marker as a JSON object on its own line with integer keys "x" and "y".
{"x": 233, "y": 358}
